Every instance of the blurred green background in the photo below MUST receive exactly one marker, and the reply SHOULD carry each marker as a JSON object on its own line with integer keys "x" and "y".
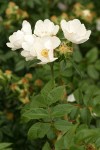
{"x": 18, "y": 81}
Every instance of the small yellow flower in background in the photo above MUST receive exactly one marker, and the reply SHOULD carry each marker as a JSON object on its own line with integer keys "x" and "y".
{"x": 88, "y": 15}
{"x": 64, "y": 16}
{"x": 23, "y": 93}
{"x": 25, "y": 100}
{"x": 14, "y": 11}
{"x": 84, "y": 12}
{"x": 78, "y": 5}
{"x": 10, "y": 115}
{"x": 90, "y": 5}
{"x": 77, "y": 9}
{"x": 38, "y": 83}
{"x": 58, "y": 19}
{"x": 28, "y": 75}
{"x": 54, "y": 18}
{"x": 8, "y": 72}
{"x": 25, "y": 14}
{"x": 14, "y": 86}
{"x": 24, "y": 80}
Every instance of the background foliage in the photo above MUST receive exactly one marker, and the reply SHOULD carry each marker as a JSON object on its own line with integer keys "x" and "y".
{"x": 19, "y": 83}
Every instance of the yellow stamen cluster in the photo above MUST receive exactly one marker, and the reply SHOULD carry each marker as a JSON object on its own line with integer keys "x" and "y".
{"x": 65, "y": 48}
{"x": 44, "y": 53}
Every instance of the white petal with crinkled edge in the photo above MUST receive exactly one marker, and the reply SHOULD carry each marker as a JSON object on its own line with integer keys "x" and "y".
{"x": 27, "y": 55}
{"x": 45, "y": 28}
{"x": 16, "y": 40}
{"x": 26, "y": 28}
{"x": 74, "y": 31}
{"x": 28, "y": 46}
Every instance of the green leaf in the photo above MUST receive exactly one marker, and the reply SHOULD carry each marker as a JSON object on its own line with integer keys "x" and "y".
{"x": 96, "y": 105}
{"x": 98, "y": 142}
{"x": 96, "y": 109}
{"x": 59, "y": 144}
{"x": 38, "y": 130}
{"x": 68, "y": 72}
{"x": 63, "y": 125}
{"x": 52, "y": 96}
{"x": 97, "y": 92}
{"x": 77, "y": 148}
{"x": 69, "y": 137}
{"x": 85, "y": 115}
{"x": 32, "y": 63}
{"x": 77, "y": 56}
{"x": 92, "y": 72}
{"x": 96, "y": 100}
{"x": 56, "y": 94}
{"x": 87, "y": 135}
{"x": 89, "y": 94}
{"x": 97, "y": 65}
{"x": 51, "y": 135}
{"x": 47, "y": 88}
{"x": 20, "y": 65}
{"x": 65, "y": 141}
{"x": 74, "y": 113}
{"x": 77, "y": 68}
{"x": 35, "y": 113}
{"x": 38, "y": 101}
{"x": 46, "y": 146}
{"x": 78, "y": 96}
{"x": 61, "y": 109}
{"x": 81, "y": 127}
{"x": 4, "y": 146}
{"x": 92, "y": 55}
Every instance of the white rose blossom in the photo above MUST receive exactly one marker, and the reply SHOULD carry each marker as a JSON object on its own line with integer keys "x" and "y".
{"x": 42, "y": 43}
{"x": 45, "y": 28}
{"x": 71, "y": 98}
{"x": 74, "y": 31}
{"x": 44, "y": 47}
{"x": 17, "y": 38}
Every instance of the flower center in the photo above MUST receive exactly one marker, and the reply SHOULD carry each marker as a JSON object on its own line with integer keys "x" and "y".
{"x": 65, "y": 48}
{"x": 62, "y": 48}
{"x": 44, "y": 53}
